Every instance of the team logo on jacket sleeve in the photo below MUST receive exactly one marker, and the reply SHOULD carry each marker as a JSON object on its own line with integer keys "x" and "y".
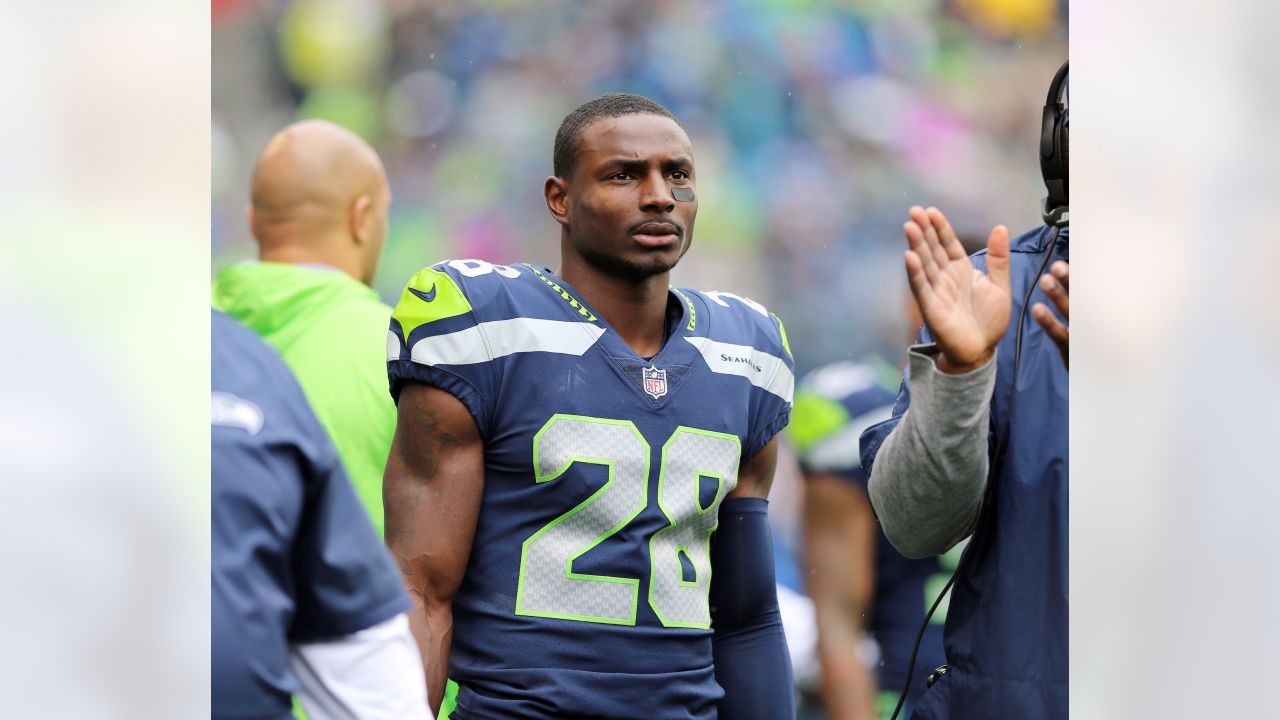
{"x": 655, "y": 382}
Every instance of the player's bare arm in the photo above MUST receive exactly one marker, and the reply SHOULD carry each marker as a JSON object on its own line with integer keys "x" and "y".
{"x": 755, "y": 478}
{"x": 431, "y": 496}
{"x": 840, "y": 546}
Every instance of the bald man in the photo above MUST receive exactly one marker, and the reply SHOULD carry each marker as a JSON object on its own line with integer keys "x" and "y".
{"x": 319, "y": 215}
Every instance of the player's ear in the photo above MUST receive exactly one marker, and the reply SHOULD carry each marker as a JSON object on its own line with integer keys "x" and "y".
{"x": 557, "y": 194}
{"x": 361, "y": 219}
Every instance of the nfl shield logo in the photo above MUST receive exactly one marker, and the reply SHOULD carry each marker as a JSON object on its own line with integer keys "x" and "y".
{"x": 655, "y": 382}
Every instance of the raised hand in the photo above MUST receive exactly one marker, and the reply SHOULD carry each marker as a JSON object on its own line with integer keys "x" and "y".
{"x": 1056, "y": 285}
{"x": 965, "y": 310}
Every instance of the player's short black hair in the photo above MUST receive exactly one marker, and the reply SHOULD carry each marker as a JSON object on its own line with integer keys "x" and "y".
{"x": 610, "y": 105}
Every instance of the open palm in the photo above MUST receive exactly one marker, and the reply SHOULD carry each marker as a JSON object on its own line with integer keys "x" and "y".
{"x": 965, "y": 310}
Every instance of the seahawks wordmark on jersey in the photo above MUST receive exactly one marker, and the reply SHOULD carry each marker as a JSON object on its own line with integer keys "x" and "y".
{"x": 586, "y": 591}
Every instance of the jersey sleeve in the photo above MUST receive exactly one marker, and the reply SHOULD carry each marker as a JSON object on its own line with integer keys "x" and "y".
{"x": 345, "y": 578}
{"x": 834, "y": 404}
{"x": 437, "y": 338}
{"x": 774, "y": 405}
{"x": 286, "y": 516}
{"x": 819, "y": 432}
{"x": 747, "y": 340}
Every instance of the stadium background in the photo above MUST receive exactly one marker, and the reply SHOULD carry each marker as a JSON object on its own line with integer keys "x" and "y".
{"x": 815, "y": 124}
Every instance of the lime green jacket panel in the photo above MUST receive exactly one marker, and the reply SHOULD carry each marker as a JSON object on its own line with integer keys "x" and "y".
{"x": 332, "y": 332}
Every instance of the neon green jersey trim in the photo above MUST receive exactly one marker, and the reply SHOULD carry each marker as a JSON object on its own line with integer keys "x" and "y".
{"x": 693, "y": 313}
{"x": 573, "y": 301}
{"x": 450, "y": 700}
{"x": 783, "y": 332}
{"x": 886, "y": 701}
{"x": 569, "y": 573}
{"x": 814, "y": 417}
{"x": 446, "y": 300}
{"x": 723, "y": 488}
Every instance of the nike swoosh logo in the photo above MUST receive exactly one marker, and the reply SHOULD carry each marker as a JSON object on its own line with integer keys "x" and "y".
{"x": 427, "y": 296}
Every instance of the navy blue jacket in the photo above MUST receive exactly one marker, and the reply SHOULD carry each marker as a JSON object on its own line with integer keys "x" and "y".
{"x": 295, "y": 557}
{"x": 1006, "y": 631}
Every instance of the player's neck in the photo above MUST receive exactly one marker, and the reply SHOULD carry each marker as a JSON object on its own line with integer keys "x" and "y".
{"x": 301, "y": 254}
{"x": 635, "y": 309}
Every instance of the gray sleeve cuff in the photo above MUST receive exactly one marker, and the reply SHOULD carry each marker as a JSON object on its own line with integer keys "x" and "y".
{"x": 930, "y": 475}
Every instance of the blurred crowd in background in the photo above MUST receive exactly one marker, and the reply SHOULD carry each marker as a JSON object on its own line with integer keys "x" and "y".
{"x": 815, "y": 125}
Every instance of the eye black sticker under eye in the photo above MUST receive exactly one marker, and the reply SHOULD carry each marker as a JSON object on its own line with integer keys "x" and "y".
{"x": 683, "y": 194}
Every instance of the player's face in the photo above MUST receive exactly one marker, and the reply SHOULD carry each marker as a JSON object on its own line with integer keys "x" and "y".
{"x": 622, "y": 216}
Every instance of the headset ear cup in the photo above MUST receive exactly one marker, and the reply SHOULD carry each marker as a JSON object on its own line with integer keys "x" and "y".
{"x": 1054, "y": 146}
{"x": 1048, "y": 128}
{"x": 1063, "y": 159}
{"x": 1051, "y": 157}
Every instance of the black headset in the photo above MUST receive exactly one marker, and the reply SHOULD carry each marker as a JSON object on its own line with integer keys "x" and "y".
{"x": 1053, "y": 168}
{"x": 1054, "y": 131}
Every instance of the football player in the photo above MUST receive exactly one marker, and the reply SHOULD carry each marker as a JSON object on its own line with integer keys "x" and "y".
{"x": 578, "y": 448}
{"x": 869, "y": 600}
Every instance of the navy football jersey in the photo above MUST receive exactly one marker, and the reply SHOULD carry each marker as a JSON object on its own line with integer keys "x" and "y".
{"x": 586, "y": 591}
{"x": 295, "y": 557}
{"x": 834, "y": 404}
